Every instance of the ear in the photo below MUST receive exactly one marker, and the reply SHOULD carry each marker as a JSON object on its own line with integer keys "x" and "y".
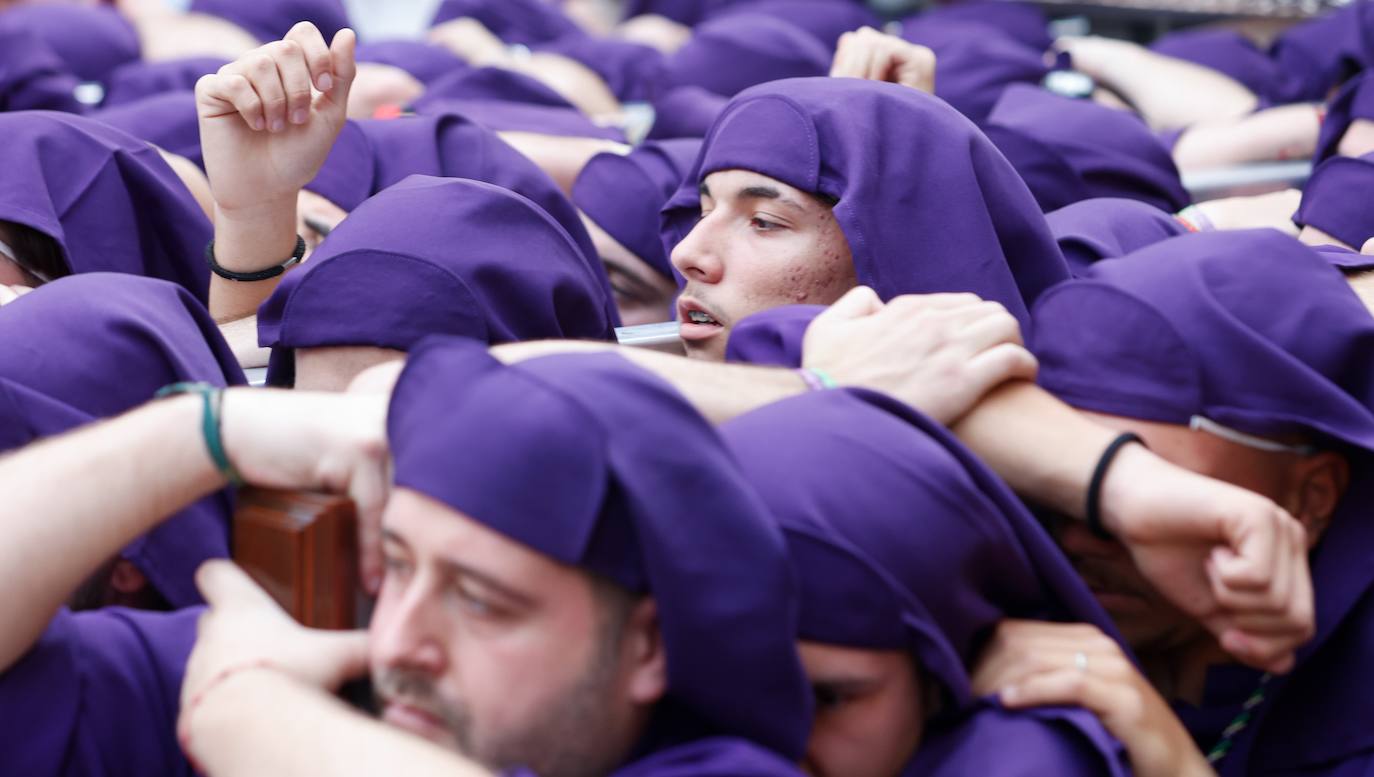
{"x": 125, "y": 578}
{"x": 648, "y": 679}
{"x": 1321, "y": 482}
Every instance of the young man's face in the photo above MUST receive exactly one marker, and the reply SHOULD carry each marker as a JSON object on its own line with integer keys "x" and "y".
{"x": 869, "y": 711}
{"x": 642, "y": 295}
{"x": 759, "y": 244}
{"x": 487, "y": 647}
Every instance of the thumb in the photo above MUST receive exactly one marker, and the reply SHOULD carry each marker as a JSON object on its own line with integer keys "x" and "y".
{"x": 343, "y": 654}
{"x": 858, "y": 302}
{"x": 224, "y": 584}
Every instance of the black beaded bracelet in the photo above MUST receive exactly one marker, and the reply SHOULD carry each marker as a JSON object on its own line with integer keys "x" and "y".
{"x": 1093, "y": 514}
{"x": 259, "y": 275}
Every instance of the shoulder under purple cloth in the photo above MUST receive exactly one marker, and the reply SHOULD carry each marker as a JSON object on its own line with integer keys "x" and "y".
{"x": 107, "y": 198}
{"x": 91, "y": 40}
{"x": 1318, "y": 55}
{"x": 168, "y": 120}
{"x": 1230, "y": 53}
{"x": 732, "y": 53}
{"x": 926, "y": 202}
{"x": 98, "y": 696}
{"x": 1112, "y": 153}
{"x": 632, "y": 71}
{"x": 685, "y": 112}
{"x": 623, "y": 194}
{"x": 137, "y": 80}
{"x": 975, "y": 62}
{"x": 426, "y": 61}
{"x": 1336, "y": 199}
{"x": 94, "y": 346}
{"x": 826, "y": 20}
{"x": 1108, "y": 228}
{"x": 1220, "y": 325}
{"x": 634, "y": 485}
{"x": 504, "y": 100}
{"x": 436, "y": 256}
{"x": 1354, "y": 101}
{"x": 269, "y": 20}
{"x": 33, "y": 78}
{"x": 902, "y": 540}
{"x": 513, "y": 21}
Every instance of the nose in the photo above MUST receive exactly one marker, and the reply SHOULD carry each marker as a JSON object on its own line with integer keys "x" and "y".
{"x": 407, "y": 631}
{"x": 697, "y": 257}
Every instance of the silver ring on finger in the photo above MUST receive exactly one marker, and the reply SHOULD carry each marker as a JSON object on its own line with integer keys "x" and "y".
{"x": 1080, "y": 661}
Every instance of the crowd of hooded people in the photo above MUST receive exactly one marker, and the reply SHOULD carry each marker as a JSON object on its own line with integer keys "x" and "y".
{"x": 982, "y": 449}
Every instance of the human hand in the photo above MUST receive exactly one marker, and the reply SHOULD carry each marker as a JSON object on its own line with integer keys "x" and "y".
{"x": 1274, "y": 210}
{"x": 1035, "y": 664}
{"x": 876, "y": 56}
{"x": 1230, "y": 558}
{"x": 939, "y": 353}
{"x": 264, "y": 131}
{"x": 316, "y": 441}
{"x": 471, "y": 40}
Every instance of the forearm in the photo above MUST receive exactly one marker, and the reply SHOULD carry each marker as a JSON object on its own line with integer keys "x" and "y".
{"x": 263, "y": 722}
{"x": 73, "y": 501}
{"x": 242, "y": 336}
{"x": 718, "y": 391}
{"x": 248, "y": 241}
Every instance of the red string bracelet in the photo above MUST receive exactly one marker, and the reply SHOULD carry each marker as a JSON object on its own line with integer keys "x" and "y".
{"x": 184, "y": 732}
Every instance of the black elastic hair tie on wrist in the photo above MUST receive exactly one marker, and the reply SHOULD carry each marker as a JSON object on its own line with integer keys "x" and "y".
{"x": 1094, "y": 512}
{"x": 260, "y": 275}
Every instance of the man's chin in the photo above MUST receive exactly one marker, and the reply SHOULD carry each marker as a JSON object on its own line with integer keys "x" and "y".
{"x": 420, "y": 722}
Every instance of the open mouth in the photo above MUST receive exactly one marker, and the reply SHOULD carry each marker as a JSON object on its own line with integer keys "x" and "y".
{"x": 698, "y": 317}
{"x": 696, "y": 323}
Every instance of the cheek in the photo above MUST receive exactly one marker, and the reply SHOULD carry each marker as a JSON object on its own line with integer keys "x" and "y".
{"x": 10, "y": 274}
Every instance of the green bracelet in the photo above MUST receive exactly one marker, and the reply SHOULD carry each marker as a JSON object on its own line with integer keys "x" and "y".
{"x": 212, "y": 398}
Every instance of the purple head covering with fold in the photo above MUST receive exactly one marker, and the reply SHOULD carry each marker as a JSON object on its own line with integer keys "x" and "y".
{"x": 98, "y": 696}
{"x": 1231, "y": 53}
{"x": 137, "y": 80}
{"x": 1320, "y": 54}
{"x": 624, "y": 193}
{"x": 1348, "y": 261}
{"x": 33, "y": 78}
{"x": 269, "y": 20}
{"x": 373, "y": 154}
{"x": 1113, "y": 153}
{"x": 107, "y": 198}
{"x": 1336, "y": 199}
{"x": 1256, "y": 332}
{"x": 91, "y": 40}
{"x": 168, "y": 120}
{"x": 436, "y": 256}
{"x": 631, "y": 71}
{"x": 685, "y": 112}
{"x": 513, "y": 21}
{"x": 504, "y": 100}
{"x": 902, "y": 540}
{"x": 426, "y": 61}
{"x": 94, "y": 346}
{"x": 730, "y": 54}
{"x": 975, "y": 62}
{"x": 1108, "y": 228}
{"x": 1023, "y": 22}
{"x": 688, "y": 12}
{"x": 634, "y": 485}
{"x": 926, "y": 202}
{"x": 1354, "y": 101}
{"x": 826, "y": 20}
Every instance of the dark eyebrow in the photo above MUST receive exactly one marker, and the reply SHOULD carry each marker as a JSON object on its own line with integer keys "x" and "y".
{"x": 759, "y": 193}
{"x": 454, "y": 569}
{"x": 703, "y": 189}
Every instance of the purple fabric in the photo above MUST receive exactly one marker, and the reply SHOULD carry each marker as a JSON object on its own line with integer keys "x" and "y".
{"x": 1230, "y": 53}
{"x": 826, "y": 20}
{"x": 1221, "y": 324}
{"x": 623, "y": 194}
{"x": 902, "y": 540}
{"x": 426, "y": 61}
{"x": 107, "y": 198}
{"x": 730, "y": 54}
{"x": 1023, "y": 22}
{"x": 94, "y": 346}
{"x": 1108, "y": 228}
{"x": 1113, "y": 153}
{"x": 926, "y": 202}
{"x": 505, "y": 116}
{"x": 1336, "y": 199}
{"x": 688, "y": 12}
{"x": 92, "y": 41}
{"x": 714, "y": 757}
{"x": 685, "y": 112}
{"x": 434, "y": 256}
{"x": 633, "y": 485}
{"x": 976, "y": 63}
{"x": 32, "y": 77}
{"x": 168, "y": 121}
{"x": 993, "y": 741}
{"x": 269, "y": 20}
{"x": 98, "y": 696}
{"x": 1346, "y": 260}
{"x": 513, "y": 21}
{"x": 1319, "y": 55}
{"x": 138, "y": 80}
{"x": 772, "y": 337}
{"x": 631, "y": 71}
{"x": 1354, "y": 101}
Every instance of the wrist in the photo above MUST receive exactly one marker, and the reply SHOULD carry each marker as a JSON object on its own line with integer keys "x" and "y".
{"x": 1120, "y": 488}
{"x": 256, "y": 237}
{"x": 222, "y": 708}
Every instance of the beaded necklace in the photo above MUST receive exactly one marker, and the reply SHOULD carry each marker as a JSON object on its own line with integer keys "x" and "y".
{"x": 1239, "y": 723}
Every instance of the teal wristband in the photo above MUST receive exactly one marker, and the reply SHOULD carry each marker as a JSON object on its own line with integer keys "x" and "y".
{"x": 212, "y": 399}
{"x": 816, "y": 380}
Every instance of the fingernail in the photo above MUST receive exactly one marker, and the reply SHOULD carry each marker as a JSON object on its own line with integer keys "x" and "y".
{"x": 1008, "y": 695}
{"x": 257, "y": 124}
{"x": 300, "y": 116}
{"x": 326, "y": 82}
{"x": 278, "y": 125}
